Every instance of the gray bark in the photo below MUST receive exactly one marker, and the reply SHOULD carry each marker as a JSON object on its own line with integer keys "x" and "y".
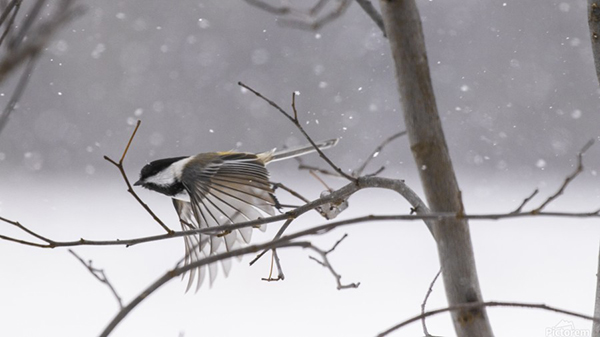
{"x": 594, "y": 24}
{"x": 596, "y": 325}
{"x": 403, "y": 27}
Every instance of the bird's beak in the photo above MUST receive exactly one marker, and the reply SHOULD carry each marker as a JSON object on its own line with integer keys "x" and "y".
{"x": 138, "y": 183}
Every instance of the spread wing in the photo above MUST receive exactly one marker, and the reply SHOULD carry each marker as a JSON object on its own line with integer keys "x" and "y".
{"x": 224, "y": 188}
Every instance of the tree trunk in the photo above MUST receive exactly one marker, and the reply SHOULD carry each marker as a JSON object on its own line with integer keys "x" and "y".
{"x": 596, "y": 325}
{"x": 594, "y": 25}
{"x": 403, "y": 27}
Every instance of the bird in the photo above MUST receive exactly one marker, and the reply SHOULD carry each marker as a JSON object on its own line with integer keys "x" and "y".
{"x": 214, "y": 189}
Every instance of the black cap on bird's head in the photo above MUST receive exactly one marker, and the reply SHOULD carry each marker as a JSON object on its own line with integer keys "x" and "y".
{"x": 154, "y": 168}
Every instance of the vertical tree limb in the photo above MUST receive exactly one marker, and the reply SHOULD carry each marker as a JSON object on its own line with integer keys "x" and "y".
{"x": 594, "y": 25}
{"x": 596, "y": 324}
{"x": 403, "y": 27}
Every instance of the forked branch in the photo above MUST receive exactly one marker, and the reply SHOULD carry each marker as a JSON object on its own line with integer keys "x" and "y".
{"x": 100, "y": 276}
{"x": 569, "y": 178}
{"x": 296, "y": 122}
{"x": 324, "y": 261}
{"x": 119, "y": 165}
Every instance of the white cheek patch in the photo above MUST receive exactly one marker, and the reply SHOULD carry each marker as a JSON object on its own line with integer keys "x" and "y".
{"x": 178, "y": 166}
{"x": 169, "y": 175}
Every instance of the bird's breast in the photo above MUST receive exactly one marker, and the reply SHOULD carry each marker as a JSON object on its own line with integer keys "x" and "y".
{"x": 182, "y": 195}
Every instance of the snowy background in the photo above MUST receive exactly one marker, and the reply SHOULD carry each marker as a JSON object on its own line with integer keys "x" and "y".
{"x": 516, "y": 89}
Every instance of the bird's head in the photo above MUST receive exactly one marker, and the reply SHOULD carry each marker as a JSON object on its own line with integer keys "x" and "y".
{"x": 160, "y": 173}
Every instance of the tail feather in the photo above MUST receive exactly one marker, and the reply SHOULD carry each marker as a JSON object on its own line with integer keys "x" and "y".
{"x": 272, "y": 156}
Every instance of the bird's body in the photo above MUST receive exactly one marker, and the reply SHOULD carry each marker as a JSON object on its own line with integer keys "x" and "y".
{"x": 214, "y": 189}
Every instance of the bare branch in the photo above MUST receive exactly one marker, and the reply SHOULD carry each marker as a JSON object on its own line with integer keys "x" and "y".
{"x": 275, "y": 262}
{"x": 277, "y": 236}
{"x": 49, "y": 243}
{"x": 429, "y": 290}
{"x": 309, "y": 19}
{"x": 316, "y": 24}
{"x": 277, "y": 10}
{"x": 422, "y": 214}
{"x": 119, "y": 165}
{"x": 302, "y": 166}
{"x": 525, "y": 201}
{"x": 37, "y": 38}
{"x": 368, "y": 7}
{"x": 569, "y": 178}
{"x": 283, "y": 242}
{"x": 325, "y": 263}
{"x": 289, "y": 190}
{"x": 596, "y": 324}
{"x": 100, "y": 276}
{"x": 8, "y": 9}
{"x": 169, "y": 275}
{"x": 475, "y": 305}
{"x": 16, "y": 4}
{"x": 18, "y": 92}
{"x": 326, "y": 227}
{"x": 594, "y": 26}
{"x": 296, "y": 122}
{"x": 27, "y": 23}
{"x": 21, "y": 50}
{"x": 358, "y": 172}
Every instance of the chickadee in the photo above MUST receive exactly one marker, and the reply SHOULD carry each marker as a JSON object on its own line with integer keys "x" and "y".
{"x": 214, "y": 189}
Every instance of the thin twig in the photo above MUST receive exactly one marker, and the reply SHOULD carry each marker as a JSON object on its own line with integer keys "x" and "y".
{"x": 284, "y": 242}
{"x": 304, "y": 19}
{"x": 275, "y": 262}
{"x": 474, "y": 305}
{"x": 296, "y": 122}
{"x": 16, "y": 4}
{"x": 312, "y": 173}
{"x": 525, "y": 201}
{"x": 49, "y": 243}
{"x": 25, "y": 26}
{"x": 337, "y": 243}
{"x": 368, "y": 7}
{"x": 100, "y": 276}
{"x": 119, "y": 165}
{"x": 570, "y": 178}
{"x": 37, "y": 39}
{"x": 289, "y": 190}
{"x": 358, "y": 172}
{"x": 277, "y": 236}
{"x": 318, "y": 23}
{"x": 8, "y": 9}
{"x": 325, "y": 263}
{"x": 173, "y": 273}
{"x": 278, "y": 10}
{"x": 18, "y": 92}
{"x": 22, "y": 50}
{"x": 302, "y": 166}
{"x": 429, "y": 291}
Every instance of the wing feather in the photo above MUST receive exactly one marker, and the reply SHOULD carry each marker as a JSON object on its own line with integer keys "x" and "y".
{"x": 224, "y": 188}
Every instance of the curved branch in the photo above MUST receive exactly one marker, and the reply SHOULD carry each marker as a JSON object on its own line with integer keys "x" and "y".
{"x": 466, "y": 306}
{"x": 423, "y": 214}
{"x": 171, "y": 274}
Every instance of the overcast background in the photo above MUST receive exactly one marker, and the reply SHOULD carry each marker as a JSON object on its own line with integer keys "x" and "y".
{"x": 515, "y": 86}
